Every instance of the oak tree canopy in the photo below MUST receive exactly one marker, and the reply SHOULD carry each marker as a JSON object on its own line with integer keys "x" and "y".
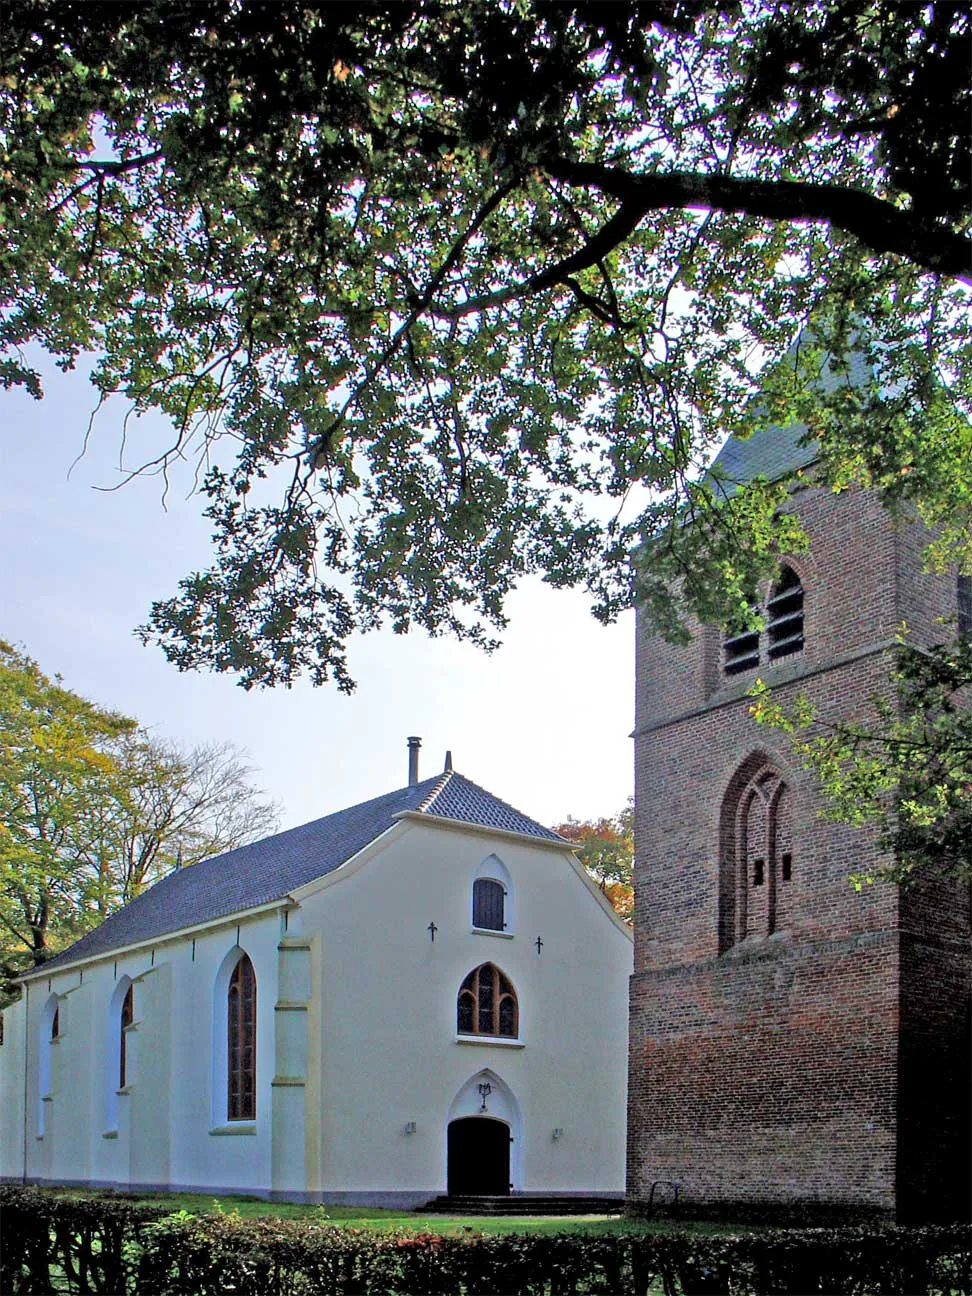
{"x": 439, "y": 293}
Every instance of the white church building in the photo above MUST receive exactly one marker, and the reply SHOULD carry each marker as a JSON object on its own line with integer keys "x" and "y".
{"x": 419, "y": 994}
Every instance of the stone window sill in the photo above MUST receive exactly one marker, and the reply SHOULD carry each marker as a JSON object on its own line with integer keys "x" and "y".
{"x": 491, "y": 931}
{"x": 236, "y": 1127}
{"x": 498, "y": 1041}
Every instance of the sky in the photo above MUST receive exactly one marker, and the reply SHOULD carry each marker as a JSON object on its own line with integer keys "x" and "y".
{"x": 544, "y": 722}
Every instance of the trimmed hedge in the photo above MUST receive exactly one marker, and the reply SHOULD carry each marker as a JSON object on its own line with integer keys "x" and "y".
{"x": 113, "y": 1246}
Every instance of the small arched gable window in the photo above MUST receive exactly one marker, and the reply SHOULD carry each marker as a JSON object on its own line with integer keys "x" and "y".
{"x": 125, "y": 1019}
{"x": 492, "y": 908}
{"x": 488, "y": 897}
{"x": 241, "y": 1042}
{"x": 487, "y": 1004}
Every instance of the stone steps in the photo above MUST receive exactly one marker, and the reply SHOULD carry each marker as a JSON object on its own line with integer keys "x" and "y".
{"x": 523, "y": 1204}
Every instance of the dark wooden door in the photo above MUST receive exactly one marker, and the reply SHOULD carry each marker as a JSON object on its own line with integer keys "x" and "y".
{"x": 479, "y": 1157}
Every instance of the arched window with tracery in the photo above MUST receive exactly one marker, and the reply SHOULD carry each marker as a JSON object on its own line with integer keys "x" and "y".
{"x": 757, "y": 867}
{"x": 241, "y": 1042}
{"x": 487, "y": 1004}
{"x": 125, "y": 1019}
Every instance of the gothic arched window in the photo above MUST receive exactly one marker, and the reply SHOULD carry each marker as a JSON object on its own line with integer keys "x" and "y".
{"x": 757, "y": 866}
{"x": 126, "y": 1017}
{"x": 487, "y": 1004}
{"x": 241, "y": 1042}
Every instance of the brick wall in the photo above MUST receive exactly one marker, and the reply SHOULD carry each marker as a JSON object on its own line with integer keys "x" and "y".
{"x": 792, "y": 1065}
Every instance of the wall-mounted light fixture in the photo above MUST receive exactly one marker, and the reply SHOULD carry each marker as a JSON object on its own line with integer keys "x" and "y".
{"x": 410, "y": 1127}
{"x": 558, "y": 1134}
{"x": 485, "y": 1089}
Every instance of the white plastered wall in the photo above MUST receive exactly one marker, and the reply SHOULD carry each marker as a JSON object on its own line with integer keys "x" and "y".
{"x": 390, "y": 1052}
{"x": 356, "y": 1038}
{"x": 159, "y": 1130}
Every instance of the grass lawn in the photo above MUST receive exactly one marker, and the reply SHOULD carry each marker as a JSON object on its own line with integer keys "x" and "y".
{"x": 371, "y": 1217}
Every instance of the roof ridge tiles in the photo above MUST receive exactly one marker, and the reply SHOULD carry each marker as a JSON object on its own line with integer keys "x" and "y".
{"x": 440, "y": 783}
{"x": 262, "y": 872}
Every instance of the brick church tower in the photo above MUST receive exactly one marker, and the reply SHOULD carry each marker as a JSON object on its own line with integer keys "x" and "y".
{"x": 792, "y": 1040}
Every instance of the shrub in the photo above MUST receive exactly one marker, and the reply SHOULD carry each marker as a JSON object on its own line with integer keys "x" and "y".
{"x": 110, "y": 1245}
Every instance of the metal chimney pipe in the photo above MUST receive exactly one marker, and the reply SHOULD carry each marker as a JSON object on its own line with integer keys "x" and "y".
{"x": 413, "y": 756}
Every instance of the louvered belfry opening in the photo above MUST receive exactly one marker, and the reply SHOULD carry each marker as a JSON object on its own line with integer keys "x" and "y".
{"x": 741, "y": 651}
{"x": 784, "y": 615}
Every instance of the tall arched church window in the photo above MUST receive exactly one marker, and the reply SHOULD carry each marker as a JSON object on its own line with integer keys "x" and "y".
{"x": 487, "y": 1004}
{"x": 241, "y": 1042}
{"x": 125, "y": 1019}
{"x": 758, "y": 865}
{"x": 784, "y": 616}
{"x": 964, "y": 596}
{"x": 49, "y": 1028}
{"x": 488, "y": 904}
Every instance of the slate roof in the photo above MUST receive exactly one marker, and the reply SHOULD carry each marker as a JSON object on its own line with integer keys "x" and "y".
{"x": 774, "y": 452}
{"x": 268, "y": 870}
{"x": 771, "y": 452}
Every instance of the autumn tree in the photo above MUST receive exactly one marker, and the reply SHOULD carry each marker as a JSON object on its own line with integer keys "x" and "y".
{"x": 606, "y": 849}
{"x": 176, "y": 807}
{"x": 93, "y": 809}
{"x": 440, "y": 292}
{"x": 55, "y": 766}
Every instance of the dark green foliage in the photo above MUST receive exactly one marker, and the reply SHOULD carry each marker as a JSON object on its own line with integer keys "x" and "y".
{"x": 73, "y": 1245}
{"x": 907, "y": 769}
{"x": 111, "y": 1245}
{"x": 437, "y": 293}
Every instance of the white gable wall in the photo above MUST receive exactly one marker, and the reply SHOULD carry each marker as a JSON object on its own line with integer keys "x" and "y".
{"x": 391, "y": 1055}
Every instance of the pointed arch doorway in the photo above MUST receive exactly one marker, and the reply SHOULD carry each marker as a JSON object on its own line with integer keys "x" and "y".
{"x": 484, "y": 1139}
{"x": 479, "y": 1157}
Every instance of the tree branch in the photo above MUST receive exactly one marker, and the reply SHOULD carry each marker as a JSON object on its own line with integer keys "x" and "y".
{"x": 878, "y": 224}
